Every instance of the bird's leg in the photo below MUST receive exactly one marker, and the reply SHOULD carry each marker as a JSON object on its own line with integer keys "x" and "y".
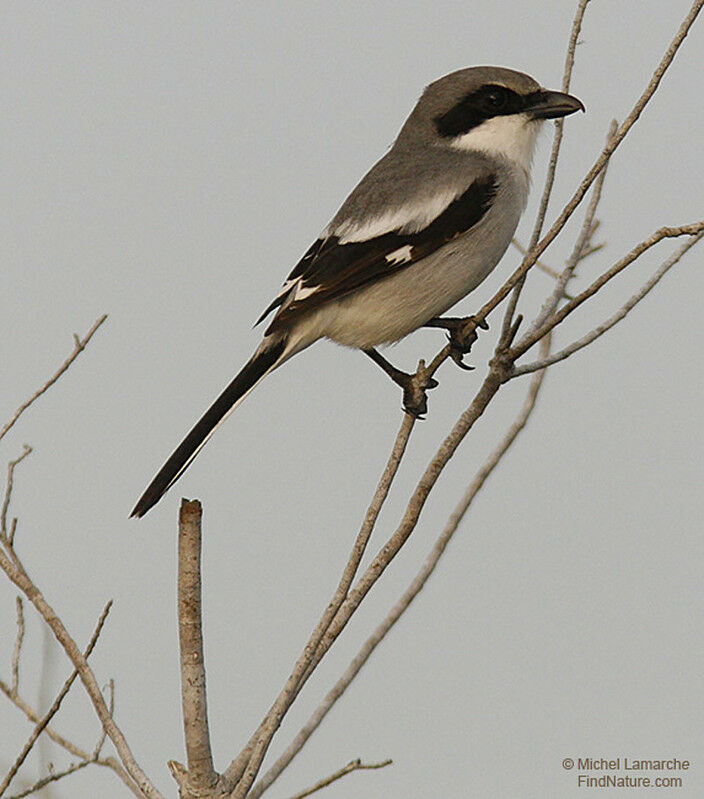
{"x": 414, "y": 386}
{"x": 461, "y": 333}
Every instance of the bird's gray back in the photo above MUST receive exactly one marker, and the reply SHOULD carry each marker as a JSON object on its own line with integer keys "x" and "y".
{"x": 409, "y": 176}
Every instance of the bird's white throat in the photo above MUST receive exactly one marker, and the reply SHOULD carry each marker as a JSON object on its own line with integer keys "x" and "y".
{"x": 512, "y": 137}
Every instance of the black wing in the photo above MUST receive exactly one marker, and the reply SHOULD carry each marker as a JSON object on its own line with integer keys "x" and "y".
{"x": 330, "y": 270}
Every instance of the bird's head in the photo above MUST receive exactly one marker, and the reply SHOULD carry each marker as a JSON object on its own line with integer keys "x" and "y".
{"x": 492, "y": 110}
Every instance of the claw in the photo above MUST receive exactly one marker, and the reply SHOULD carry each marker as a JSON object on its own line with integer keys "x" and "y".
{"x": 458, "y": 357}
{"x": 460, "y": 340}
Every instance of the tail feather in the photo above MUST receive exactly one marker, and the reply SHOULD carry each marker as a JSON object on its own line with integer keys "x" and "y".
{"x": 264, "y": 360}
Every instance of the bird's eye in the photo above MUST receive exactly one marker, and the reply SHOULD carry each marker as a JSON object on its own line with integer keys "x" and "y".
{"x": 495, "y": 99}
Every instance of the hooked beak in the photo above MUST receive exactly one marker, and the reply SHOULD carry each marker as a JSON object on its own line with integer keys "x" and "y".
{"x": 550, "y": 105}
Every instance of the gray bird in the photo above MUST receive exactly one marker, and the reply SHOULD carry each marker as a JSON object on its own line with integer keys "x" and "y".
{"x": 422, "y": 229}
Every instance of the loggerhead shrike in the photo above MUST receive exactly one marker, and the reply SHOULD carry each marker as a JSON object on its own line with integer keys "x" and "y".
{"x": 424, "y": 227}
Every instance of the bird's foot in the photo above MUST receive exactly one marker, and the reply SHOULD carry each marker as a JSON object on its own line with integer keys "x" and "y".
{"x": 461, "y": 335}
{"x": 415, "y": 386}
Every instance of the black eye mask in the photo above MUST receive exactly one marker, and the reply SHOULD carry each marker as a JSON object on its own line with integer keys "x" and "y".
{"x": 478, "y": 106}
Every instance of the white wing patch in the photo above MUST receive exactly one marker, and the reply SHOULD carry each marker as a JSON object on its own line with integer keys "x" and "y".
{"x": 400, "y": 256}
{"x": 295, "y": 283}
{"x": 404, "y": 219}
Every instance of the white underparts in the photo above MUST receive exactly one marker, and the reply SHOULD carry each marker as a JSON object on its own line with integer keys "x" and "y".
{"x": 512, "y": 137}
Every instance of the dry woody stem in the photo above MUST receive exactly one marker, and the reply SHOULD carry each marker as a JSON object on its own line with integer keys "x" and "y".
{"x": 201, "y": 774}
{"x": 79, "y": 346}
{"x": 353, "y": 765}
{"x": 552, "y": 164}
{"x": 43, "y": 722}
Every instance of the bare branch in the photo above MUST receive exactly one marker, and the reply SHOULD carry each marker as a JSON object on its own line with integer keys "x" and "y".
{"x": 79, "y": 346}
{"x": 18, "y": 646}
{"x": 353, "y": 765}
{"x": 259, "y": 742}
{"x": 612, "y": 320}
{"x": 33, "y": 716}
{"x": 488, "y": 389}
{"x": 201, "y": 774}
{"x": 594, "y": 247}
{"x": 665, "y": 232}
{"x": 17, "y": 574}
{"x": 53, "y": 777}
{"x": 539, "y": 264}
{"x": 8, "y": 536}
{"x": 559, "y": 123}
{"x": 598, "y": 165}
{"x": 55, "y": 705}
{"x": 552, "y": 165}
{"x": 111, "y": 707}
{"x": 583, "y": 240}
{"x": 411, "y": 592}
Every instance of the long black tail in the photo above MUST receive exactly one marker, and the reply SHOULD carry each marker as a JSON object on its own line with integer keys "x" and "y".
{"x": 266, "y": 358}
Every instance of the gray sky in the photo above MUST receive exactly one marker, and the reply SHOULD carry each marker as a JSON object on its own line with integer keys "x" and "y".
{"x": 168, "y": 164}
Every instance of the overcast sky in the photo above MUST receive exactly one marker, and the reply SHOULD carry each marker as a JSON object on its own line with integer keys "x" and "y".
{"x": 167, "y": 164}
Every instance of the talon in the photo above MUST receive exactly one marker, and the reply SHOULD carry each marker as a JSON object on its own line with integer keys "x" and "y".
{"x": 460, "y": 339}
{"x": 458, "y": 357}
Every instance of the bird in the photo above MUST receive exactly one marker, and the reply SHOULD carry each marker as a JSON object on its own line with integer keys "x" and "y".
{"x": 423, "y": 228}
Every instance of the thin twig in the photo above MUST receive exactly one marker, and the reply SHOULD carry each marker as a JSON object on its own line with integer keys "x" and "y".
{"x": 594, "y": 247}
{"x": 259, "y": 742}
{"x": 386, "y": 554}
{"x": 7, "y": 537}
{"x": 488, "y": 389}
{"x": 615, "y": 318}
{"x": 49, "y": 715}
{"x": 409, "y": 594}
{"x": 18, "y": 646}
{"x": 552, "y": 166}
{"x": 583, "y": 240}
{"x": 663, "y": 233}
{"x": 415, "y": 505}
{"x": 539, "y": 264}
{"x": 599, "y": 164}
{"x": 111, "y": 707}
{"x": 559, "y": 123}
{"x": 79, "y": 346}
{"x": 18, "y": 575}
{"x": 69, "y": 746}
{"x": 34, "y": 717}
{"x": 353, "y": 765}
{"x": 53, "y": 777}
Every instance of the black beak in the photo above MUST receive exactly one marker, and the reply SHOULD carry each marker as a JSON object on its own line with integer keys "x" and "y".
{"x": 550, "y": 105}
